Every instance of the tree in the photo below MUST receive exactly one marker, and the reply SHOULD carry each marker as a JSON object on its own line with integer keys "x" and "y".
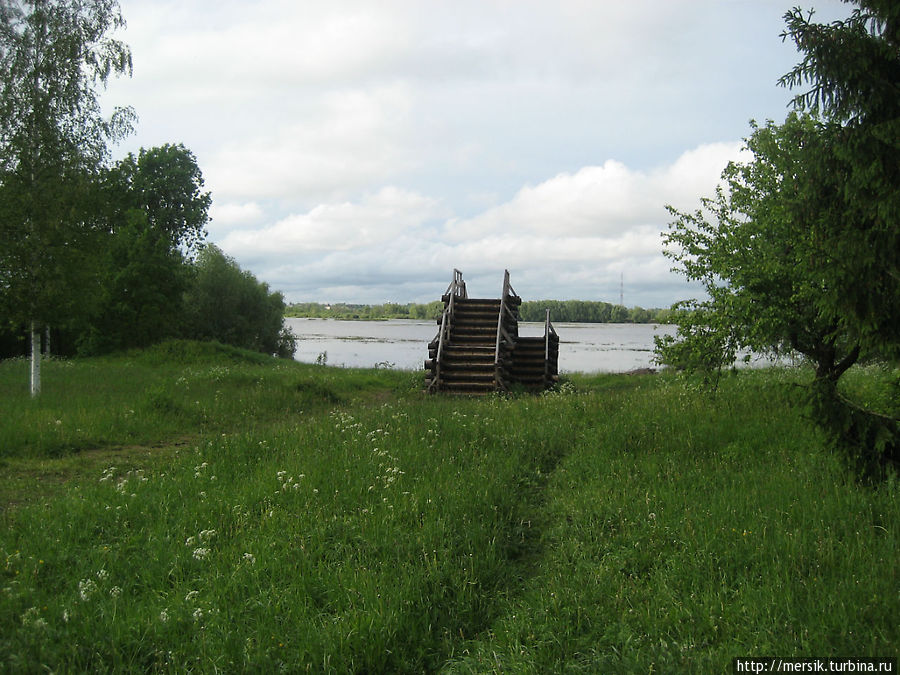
{"x": 755, "y": 248}
{"x": 156, "y": 218}
{"x": 853, "y": 67}
{"x": 228, "y": 304}
{"x": 166, "y": 184}
{"x": 53, "y": 140}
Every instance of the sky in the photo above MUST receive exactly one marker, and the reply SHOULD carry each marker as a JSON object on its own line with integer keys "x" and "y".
{"x": 360, "y": 151}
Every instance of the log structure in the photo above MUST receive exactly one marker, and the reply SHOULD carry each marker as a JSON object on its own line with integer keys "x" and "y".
{"x": 478, "y": 349}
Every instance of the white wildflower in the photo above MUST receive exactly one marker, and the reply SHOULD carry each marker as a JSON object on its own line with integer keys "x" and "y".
{"x": 250, "y": 558}
{"x": 198, "y": 614}
{"x": 190, "y": 541}
{"x": 102, "y": 575}
{"x": 32, "y": 618}
{"x": 164, "y": 615}
{"x": 191, "y": 595}
{"x": 201, "y": 553}
{"x": 115, "y": 591}
{"x": 206, "y": 535}
{"x": 86, "y": 588}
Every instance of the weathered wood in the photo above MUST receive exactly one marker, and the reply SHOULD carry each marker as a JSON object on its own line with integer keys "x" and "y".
{"x": 478, "y": 349}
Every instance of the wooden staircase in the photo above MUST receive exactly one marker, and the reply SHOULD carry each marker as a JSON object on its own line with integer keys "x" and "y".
{"x": 478, "y": 349}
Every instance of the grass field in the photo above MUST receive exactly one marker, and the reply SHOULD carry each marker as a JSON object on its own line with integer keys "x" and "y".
{"x": 198, "y": 508}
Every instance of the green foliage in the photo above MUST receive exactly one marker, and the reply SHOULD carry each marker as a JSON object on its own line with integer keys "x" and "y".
{"x": 755, "y": 257}
{"x": 577, "y": 311}
{"x": 53, "y": 140}
{"x": 586, "y": 311}
{"x": 867, "y": 440}
{"x": 705, "y": 343}
{"x": 757, "y": 249}
{"x": 626, "y": 524}
{"x": 142, "y": 284}
{"x": 389, "y": 310}
{"x": 228, "y": 304}
{"x": 166, "y": 185}
{"x": 156, "y": 212}
{"x": 852, "y": 68}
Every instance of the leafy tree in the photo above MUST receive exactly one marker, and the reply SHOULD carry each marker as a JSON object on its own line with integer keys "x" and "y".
{"x": 157, "y": 213}
{"x": 228, "y": 304}
{"x": 853, "y": 68}
{"x": 618, "y": 314}
{"x": 754, "y": 247}
{"x": 53, "y": 140}
{"x": 166, "y": 184}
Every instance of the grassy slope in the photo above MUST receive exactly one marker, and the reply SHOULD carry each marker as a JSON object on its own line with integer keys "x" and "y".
{"x": 338, "y": 520}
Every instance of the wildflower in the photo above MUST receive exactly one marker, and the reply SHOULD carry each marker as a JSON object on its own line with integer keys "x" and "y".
{"x": 207, "y": 534}
{"x": 190, "y": 541}
{"x": 198, "y": 614}
{"x": 65, "y": 616}
{"x": 164, "y": 615}
{"x": 86, "y": 588}
{"x": 250, "y": 558}
{"x": 201, "y": 553}
{"x": 191, "y": 595}
{"x": 115, "y": 591}
{"x": 31, "y": 618}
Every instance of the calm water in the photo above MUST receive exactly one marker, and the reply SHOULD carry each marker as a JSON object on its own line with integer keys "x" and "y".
{"x": 584, "y": 347}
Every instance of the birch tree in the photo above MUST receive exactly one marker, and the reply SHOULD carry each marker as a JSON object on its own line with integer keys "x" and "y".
{"x": 54, "y": 54}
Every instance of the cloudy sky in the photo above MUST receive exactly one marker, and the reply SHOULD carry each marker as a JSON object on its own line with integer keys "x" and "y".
{"x": 358, "y": 151}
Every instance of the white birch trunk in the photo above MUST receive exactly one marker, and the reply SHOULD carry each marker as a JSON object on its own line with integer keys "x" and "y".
{"x": 35, "y": 361}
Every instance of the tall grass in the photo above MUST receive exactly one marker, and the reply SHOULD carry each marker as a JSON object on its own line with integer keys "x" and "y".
{"x": 621, "y": 525}
{"x": 175, "y": 389}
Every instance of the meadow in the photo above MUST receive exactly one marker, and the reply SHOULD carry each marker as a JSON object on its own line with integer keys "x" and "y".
{"x": 199, "y": 508}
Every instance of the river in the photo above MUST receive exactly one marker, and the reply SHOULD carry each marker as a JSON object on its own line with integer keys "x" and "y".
{"x": 403, "y": 344}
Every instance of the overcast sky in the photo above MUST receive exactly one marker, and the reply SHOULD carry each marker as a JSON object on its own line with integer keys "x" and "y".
{"x": 358, "y": 151}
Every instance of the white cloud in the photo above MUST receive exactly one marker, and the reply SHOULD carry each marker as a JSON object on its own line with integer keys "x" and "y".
{"x": 573, "y": 235}
{"x": 545, "y": 137}
{"x": 343, "y": 143}
{"x": 603, "y": 199}
{"x": 233, "y": 214}
{"x": 369, "y": 224}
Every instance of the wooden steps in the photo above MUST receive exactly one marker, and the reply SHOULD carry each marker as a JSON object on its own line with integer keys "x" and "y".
{"x": 478, "y": 351}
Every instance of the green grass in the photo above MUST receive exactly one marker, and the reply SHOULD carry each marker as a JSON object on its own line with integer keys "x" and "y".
{"x": 178, "y": 388}
{"x": 623, "y": 524}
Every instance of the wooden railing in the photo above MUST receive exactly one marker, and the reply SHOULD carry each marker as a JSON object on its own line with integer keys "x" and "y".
{"x": 456, "y": 289}
{"x": 548, "y": 330}
{"x": 502, "y": 334}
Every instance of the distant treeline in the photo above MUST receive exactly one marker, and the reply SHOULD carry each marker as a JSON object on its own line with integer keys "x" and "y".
{"x": 588, "y": 311}
{"x": 575, "y": 311}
